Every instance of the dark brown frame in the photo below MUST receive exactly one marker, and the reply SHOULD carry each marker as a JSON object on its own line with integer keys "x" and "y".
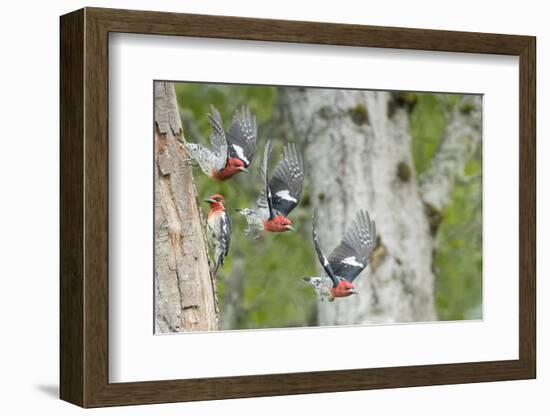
{"x": 84, "y": 209}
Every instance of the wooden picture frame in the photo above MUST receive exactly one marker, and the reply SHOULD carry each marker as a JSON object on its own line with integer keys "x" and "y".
{"x": 84, "y": 207}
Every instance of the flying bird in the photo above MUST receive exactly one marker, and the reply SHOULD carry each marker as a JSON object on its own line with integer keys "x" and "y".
{"x": 231, "y": 152}
{"x": 280, "y": 195}
{"x": 219, "y": 228}
{"x": 346, "y": 261}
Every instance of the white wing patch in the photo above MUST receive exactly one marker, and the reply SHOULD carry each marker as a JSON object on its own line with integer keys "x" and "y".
{"x": 351, "y": 261}
{"x": 240, "y": 153}
{"x": 284, "y": 194}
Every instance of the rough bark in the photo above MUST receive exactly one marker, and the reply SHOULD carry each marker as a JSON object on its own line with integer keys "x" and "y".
{"x": 357, "y": 146}
{"x": 184, "y": 283}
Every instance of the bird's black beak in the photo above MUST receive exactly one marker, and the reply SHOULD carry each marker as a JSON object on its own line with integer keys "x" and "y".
{"x": 354, "y": 292}
{"x": 243, "y": 169}
{"x": 209, "y": 200}
{"x": 289, "y": 227}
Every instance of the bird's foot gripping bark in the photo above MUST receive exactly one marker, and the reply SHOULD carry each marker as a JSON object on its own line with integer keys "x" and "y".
{"x": 191, "y": 162}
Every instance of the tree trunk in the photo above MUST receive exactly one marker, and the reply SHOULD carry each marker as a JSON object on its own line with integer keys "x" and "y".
{"x": 357, "y": 147}
{"x": 185, "y": 284}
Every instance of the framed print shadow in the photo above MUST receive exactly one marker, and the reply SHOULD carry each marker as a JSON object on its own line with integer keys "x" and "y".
{"x": 305, "y": 198}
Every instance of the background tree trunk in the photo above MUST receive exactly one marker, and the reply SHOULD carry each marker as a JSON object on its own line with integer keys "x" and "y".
{"x": 357, "y": 147}
{"x": 185, "y": 285}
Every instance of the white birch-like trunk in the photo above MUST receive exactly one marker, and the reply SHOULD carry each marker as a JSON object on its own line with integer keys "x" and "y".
{"x": 357, "y": 147}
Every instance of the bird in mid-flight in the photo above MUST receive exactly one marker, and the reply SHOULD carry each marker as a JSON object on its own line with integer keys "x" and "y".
{"x": 219, "y": 228}
{"x": 280, "y": 195}
{"x": 231, "y": 152}
{"x": 346, "y": 261}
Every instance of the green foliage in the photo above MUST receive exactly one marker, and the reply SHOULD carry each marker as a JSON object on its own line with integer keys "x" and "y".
{"x": 459, "y": 252}
{"x": 427, "y": 124}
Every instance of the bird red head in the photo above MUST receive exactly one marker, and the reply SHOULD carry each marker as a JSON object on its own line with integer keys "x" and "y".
{"x": 236, "y": 164}
{"x": 343, "y": 289}
{"x": 216, "y": 202}
{"x": 233, "y": 166}
{"x": 278, "y": 224}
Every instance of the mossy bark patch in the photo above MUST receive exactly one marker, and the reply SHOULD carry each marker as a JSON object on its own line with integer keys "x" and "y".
{"x": 359, "y": 114}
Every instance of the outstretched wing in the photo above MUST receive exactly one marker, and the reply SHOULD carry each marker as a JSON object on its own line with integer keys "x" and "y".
{"x": 322, "y": 258}
{"x": 352, "y": 255}
{"x": 241, "y": 138}
{"x": 217, "y": 138}
{"x": 266, "y": 197}
{"x": 287, "y": 180}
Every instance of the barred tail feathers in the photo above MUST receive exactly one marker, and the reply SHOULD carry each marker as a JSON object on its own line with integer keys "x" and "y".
{"x": 219, "y": 256}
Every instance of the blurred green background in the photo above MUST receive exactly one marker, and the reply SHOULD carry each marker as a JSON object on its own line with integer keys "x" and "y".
{"x": 274, "y": 265}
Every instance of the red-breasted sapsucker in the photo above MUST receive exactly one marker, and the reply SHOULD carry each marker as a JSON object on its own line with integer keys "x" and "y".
{"x": 232, "y": 152}
{"x": 346, "y": 261}
{"x": 280, "y": 195}
{"x": 219, "y": 228}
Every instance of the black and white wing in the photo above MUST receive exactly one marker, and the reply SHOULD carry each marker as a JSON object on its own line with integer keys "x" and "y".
{"x": 266, "y": 198}
{"x": 287, "y": 181}
{"x": 218, "y": 139}
{"x": 241, "y": 138}
{"x": 322, "y": 258}
{"x": 352, "y": 255}
{"x": 226, "y": 230}
{"x": 222, "y": 239}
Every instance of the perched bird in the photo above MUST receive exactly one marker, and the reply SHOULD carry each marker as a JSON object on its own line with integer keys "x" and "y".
{"x": 232, "y": 152}
{"x": 280, "y": 195}
{"x": 346, "y": 261}
{"x": 219, "y": 228}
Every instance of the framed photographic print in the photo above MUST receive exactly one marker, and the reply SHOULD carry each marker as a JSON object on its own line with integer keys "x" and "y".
{"x": 261, "y": 207}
